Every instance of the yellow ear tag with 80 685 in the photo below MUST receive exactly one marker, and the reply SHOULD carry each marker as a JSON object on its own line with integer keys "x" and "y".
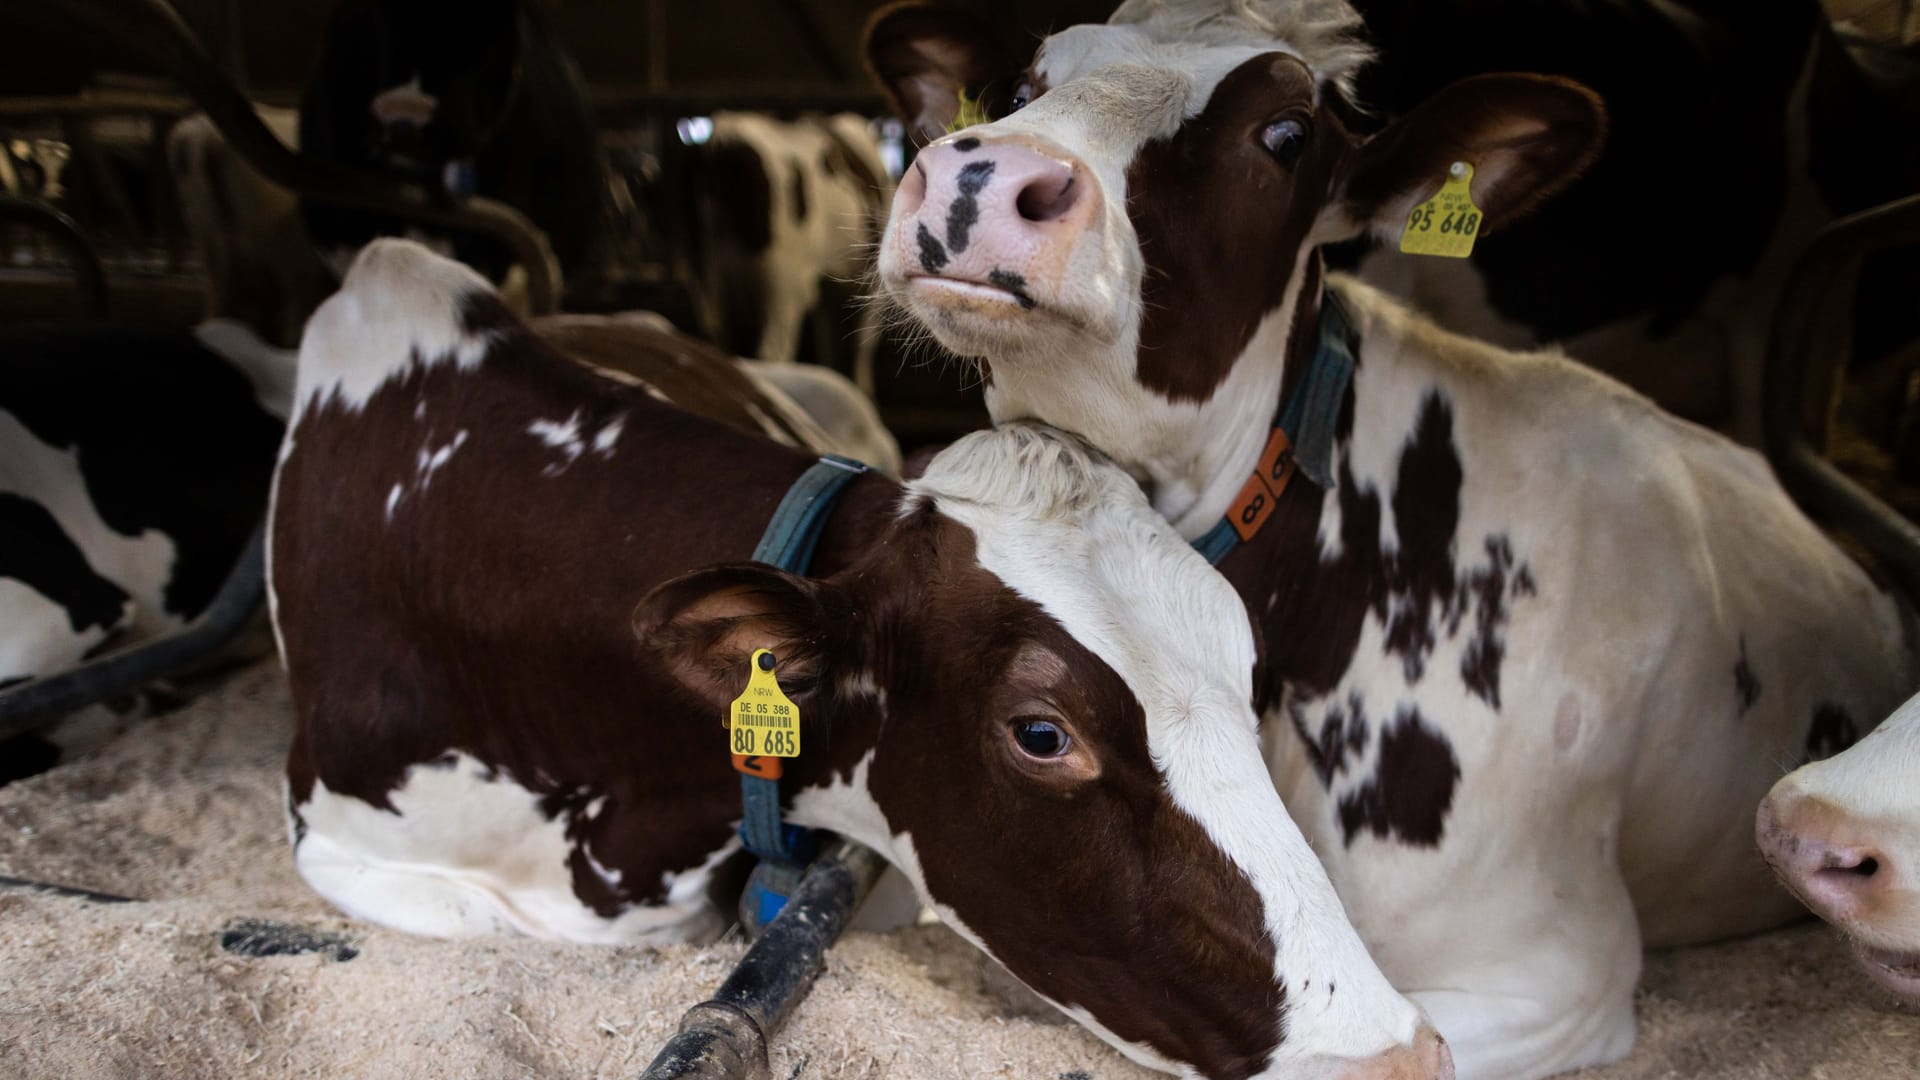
{"x": 1446, "y": 224}
{"x": 762, "y": 722}
{"x": 971, "y": 113}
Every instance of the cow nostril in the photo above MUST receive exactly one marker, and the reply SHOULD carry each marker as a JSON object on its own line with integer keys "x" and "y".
{"x": 1867, "y": 867}
{"x": 1048, "y": 198}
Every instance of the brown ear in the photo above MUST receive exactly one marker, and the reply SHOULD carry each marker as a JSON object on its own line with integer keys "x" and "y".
{"x": 923, "y": 55}
{"x": 1526, "y": 136}
{"x": 704, "y": 627}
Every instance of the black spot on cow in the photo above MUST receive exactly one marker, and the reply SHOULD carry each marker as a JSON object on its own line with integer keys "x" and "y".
{"x": 1412, "y": 787}
{"x": 1426, "y": 513}
{"x": 40, "y": 555}
{"x": 1013, "y": 283}
{"x": 1833, "y": 730}
{"x": 1745, "y": 683}
{"x": 258, "y": 937}
{"x": 1343, "y": 733}
{"x": 967, "y": 145}
{"x": 1485, "y": 591}
{"x": 933, "y": 255}
{"x": 798, "y": 194}
{"x": 965, "y": 211}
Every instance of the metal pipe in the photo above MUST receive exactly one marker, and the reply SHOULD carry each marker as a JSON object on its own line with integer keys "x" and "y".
{"x": 90, "y": 278}
{"x": 1791, "y": 355}
{"x": 34, "y": 704}
{"x": 154, "y": 28}
{"x": 725, "y": 1037}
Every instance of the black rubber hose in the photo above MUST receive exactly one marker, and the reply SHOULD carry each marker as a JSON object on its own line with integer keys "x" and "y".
{"x": 725, "y": 1037}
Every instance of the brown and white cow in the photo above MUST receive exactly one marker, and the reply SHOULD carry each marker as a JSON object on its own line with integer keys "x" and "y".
{"x": 512, "y": 595}
{"x": 1844, "y": 834}
{"x": 1532, "y": 651}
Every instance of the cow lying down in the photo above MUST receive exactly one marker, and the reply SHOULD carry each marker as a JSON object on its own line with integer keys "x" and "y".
{"x": 1844, "y": 834}
{"x": 512, "y": 596}
{"x": 1532, "y": 651}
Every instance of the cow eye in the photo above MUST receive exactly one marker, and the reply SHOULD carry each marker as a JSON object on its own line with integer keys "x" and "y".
{"x": 1022, "y": 94}
{"x": 1286, "y": 140}
{"x": 1040, "y": 738}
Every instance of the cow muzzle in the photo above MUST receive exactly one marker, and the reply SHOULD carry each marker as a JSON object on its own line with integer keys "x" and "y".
{"x": 1832, "y": 863}
{"x": 990, "y": 226}
{"x": 1426, "y": 1058}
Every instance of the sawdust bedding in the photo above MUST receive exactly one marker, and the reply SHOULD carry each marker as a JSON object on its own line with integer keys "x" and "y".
{"x": 184, "y": 813}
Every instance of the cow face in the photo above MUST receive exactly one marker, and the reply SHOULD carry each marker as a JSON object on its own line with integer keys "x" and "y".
{"x": 1844, "y": 835}
{"x": 1139, "y": 218}
{"x": 1033, "y": 698}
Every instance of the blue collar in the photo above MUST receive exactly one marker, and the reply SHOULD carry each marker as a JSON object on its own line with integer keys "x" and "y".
{"x": 1301, "y": 440}
{"x": 787, "y": 544}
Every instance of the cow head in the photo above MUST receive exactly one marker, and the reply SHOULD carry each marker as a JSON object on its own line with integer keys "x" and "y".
{"x": 1125, "y": 243}
{"x": 1844, "y": 835}
{"x": 446, "y": 73}
{"x": 1032, "y": 697}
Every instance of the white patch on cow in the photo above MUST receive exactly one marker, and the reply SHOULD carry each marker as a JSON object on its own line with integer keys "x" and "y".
{"x": 420, "y": 410}
{"x": 562, "y": 436}
{"x": 398, "y": 310}
{"x": 607, "y": 437}
{"x": 36, "y": 636}
{"x": 466, "y": 850}
{"x": 140, "y": 565}
{"x": 393, "y": 498}
{"x": 1085, "y": 546}
{"x": 688, "y": 887}
{"x": 432, "y": 460}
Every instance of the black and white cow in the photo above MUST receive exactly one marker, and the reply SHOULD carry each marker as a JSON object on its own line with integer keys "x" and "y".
{"x": 133, "y": 468}
{"x": 780, "y": 220}
{"x": 1532, "y": 650}
{"x": 1736, "y": 132}
{"x": 476, "y": 97}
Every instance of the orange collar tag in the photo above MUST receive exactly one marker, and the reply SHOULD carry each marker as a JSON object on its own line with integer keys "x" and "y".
{"x": 763, "y": 725}
{"x": 1250, "y": 509}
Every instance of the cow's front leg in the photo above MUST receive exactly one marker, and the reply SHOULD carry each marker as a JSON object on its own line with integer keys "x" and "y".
{"x": 1533, "y": 985}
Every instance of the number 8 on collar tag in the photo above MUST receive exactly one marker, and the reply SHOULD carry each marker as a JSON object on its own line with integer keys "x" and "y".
{"x": 761, "y": 721}
{"x": 1447, "y": 224}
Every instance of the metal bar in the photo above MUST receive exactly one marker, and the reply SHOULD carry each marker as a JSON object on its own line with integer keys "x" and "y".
{"x": 725, "y": 1037}
{"x": 1791, "y": 357}
{"x": 156, "y": 29}
{"x": 34, "y": 704}
{"x": 615, "y": 105}
{"x": 90, "y": 278}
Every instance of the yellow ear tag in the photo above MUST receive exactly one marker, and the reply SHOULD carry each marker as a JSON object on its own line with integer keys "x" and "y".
{"x": 971, "y": 113}
{"x": 763, "y": 722}
{"x": 1446, "y": 224}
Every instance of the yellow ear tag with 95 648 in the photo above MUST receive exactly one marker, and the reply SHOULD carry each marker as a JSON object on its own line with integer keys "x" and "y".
{"x": 971, "y": 113}
{"x": 1446, "y": 224}
{"x": 762, "y": 723}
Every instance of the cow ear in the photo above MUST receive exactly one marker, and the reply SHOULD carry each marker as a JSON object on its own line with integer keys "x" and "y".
{"x": 1526, "y": 136}
{"x": 924, "y": 55}
{"x": 704, "y": 628}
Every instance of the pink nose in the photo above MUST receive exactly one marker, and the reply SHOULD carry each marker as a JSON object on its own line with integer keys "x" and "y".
{"x": 969, "y": 208}
{"x": 1802, "y": 840}
{"x": 1427, "y": 1059}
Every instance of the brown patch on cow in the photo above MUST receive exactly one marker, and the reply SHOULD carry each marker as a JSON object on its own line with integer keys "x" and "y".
{"x": 1411, "y": 791}
{"x": 1210, "y": 282}
{"x": 1126, "y": 831}
{"x": 476, "y": 620}
{"x": 923, "y": 56}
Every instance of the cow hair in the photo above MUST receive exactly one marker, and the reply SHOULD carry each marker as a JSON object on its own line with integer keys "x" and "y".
{"x": 1328, "y": 34}
{"x": 1028, "y": 468}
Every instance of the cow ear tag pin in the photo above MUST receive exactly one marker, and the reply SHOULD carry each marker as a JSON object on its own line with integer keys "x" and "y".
{"x": 1447, "y": 224}
{"x": 763, "y": 725}
{"x": 971, "y": 113}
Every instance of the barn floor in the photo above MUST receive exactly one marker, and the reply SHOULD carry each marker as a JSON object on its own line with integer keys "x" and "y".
{"x": 186, "y": 811}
